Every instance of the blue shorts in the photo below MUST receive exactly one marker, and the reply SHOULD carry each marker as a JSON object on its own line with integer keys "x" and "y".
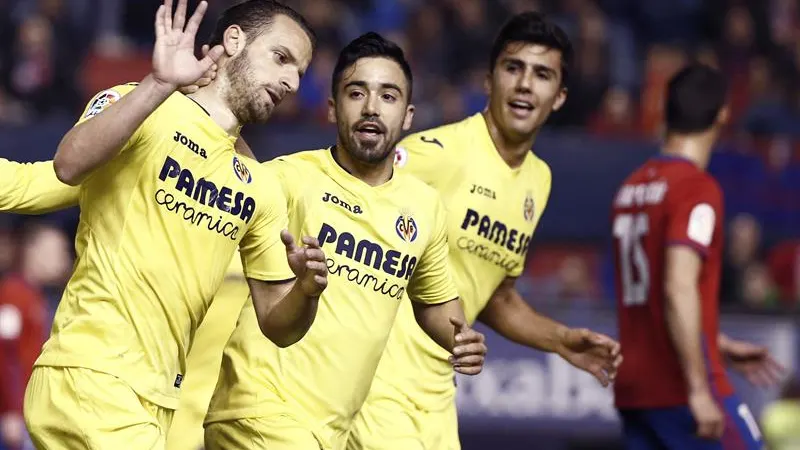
{"x": 675, "y": 429}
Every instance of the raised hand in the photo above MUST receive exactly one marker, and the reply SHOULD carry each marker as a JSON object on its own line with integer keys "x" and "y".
{"x": 469, "y": 351}
{"x": 203, "y": 81}
{"x": 592, "y": 352}
{"x": 174, "y": 62}
{"x": 307, "y": 262}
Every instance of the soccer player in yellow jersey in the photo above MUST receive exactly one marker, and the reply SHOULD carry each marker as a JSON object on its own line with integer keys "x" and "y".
{"x": 385, "y": 237}
{"x": 165, "y": 202}
{"x": 495, "y": 190}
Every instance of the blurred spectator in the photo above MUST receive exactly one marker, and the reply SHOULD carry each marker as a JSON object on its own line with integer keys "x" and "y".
{"x": 43, "y": 259}
{"x": 744, "y": 240}
{"x": 758, "y": 290}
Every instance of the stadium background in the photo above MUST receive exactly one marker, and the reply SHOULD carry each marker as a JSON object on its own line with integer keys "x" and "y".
{"x": 54, "y": 54}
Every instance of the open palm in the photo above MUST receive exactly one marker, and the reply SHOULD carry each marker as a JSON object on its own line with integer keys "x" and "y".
{"x": 592, "y": 352}
{"x": 174, "y": 62}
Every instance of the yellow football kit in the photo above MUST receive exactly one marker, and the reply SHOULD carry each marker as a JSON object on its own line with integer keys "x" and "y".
{"x": 159, "y": 226}
{"x": 33, "y": 188}
{"x": 379, "y": 242}
{"x": 492, "y": 212}
{"x": 202, "y": 363}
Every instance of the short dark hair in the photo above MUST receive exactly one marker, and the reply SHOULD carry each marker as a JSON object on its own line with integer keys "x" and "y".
{"x": 695, "y": 96}
{"x": 534, "y": 28}
{"x": 370, "y": 45}
{"x": 254, "y": 17}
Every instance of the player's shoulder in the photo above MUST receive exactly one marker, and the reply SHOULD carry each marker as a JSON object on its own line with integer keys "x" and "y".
{"x": 536, "y": 169}
{"x": 305, "y": 159}
{"x": 445, "y": 137}
{"x": 424, "y": 195}
{"x": 107, "y": 97}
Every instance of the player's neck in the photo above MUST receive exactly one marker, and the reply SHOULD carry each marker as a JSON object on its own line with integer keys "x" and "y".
{"x": 372, "y": 174}
{"x": 209, "y": 98}
{"x": 694, "y": 147}
{"x": 513, "y": 151}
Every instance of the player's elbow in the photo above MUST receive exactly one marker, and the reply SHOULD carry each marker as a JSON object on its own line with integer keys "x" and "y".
{"x": 282, "y": 337}
{"x": 67, "y": 171}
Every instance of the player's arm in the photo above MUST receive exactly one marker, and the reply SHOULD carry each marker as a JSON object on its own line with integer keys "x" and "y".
{"x": 512, "y": 317}
{"x": 285, "y": 278}
{"x": 92, "y": 143}
{"x": 683, "y": 313}
{"x": 438, "y": 310}
{"x": 32, "y": 188}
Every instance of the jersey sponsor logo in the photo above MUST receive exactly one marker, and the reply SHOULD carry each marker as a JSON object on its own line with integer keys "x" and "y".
{"x": 241, "y": 171}
{"x": 101, "y": 102}
{"x": 330, "y": 198}
{"x": 513, "y": 242}
{"x": 190, "y": 144}
{"x": 431, "y": 141}
{"x": 482, "y": 190}
{"x": 528, "y": 208}
{"x": 203, "y": 192}
{"x": 406, "y": 228}
{"x": 370, "y": 254}
{"x": 701, "y": 224}
{"x": 400, "y": 157}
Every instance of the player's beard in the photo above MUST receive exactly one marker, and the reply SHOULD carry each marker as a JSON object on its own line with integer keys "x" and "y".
{"x": 242, "y": 96}
{"x": 368, "y": 153}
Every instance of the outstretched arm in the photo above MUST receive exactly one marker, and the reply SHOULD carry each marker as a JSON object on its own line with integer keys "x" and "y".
{"x": 32, "y": 188}
{"x": 513, "y": 318}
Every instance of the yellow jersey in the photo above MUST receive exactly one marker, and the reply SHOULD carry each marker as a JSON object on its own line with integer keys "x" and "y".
{"x": 380, "y": 242}
{"x": 492, "y": 211}
{"x": 159, "y": 225}
{"x": 202, "y": 364}
{"x": 33, "y": 188}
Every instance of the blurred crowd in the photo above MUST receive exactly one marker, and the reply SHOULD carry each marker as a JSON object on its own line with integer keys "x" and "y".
{"x": 55, "y": 54}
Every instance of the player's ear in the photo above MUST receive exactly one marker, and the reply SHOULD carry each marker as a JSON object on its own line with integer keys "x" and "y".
{"x": 409, "y": 117}
{"x": 724, "y": 115}
{"x": 331, "y": 110}
{"x": 561, "y": 97}
{"x": 233, "y": 40}
{"x": 487, "y": 84}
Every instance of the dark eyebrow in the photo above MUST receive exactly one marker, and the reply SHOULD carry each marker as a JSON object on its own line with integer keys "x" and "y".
{"x": 290, "y": 56}
{"x": 537, "y": 67}
{"x": 363, "y": 84}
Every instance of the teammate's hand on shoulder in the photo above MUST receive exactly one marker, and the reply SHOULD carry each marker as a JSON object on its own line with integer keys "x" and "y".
{"x": 308, "y": 263}
{"x": 707, "y": 415}
{"x": 469, "y": 351}
{"x": 592, "y": 352}
{"x": 174, "y": 62}
{"x": 205, "y": 80}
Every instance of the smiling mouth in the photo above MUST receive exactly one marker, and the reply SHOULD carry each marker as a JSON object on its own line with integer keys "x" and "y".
{"x": 521, "y": 105}
{"x": 369, "y": 130}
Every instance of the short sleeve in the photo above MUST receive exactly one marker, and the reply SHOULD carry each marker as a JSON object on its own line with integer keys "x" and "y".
{"x": 103, "y": 100}
{"x": 263, "y": 253}
{"x": 33, "y": 188}
{"x": 694, "y": 212}
{"x": 425, "y": 156}
{"x": 432, "y": 281}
